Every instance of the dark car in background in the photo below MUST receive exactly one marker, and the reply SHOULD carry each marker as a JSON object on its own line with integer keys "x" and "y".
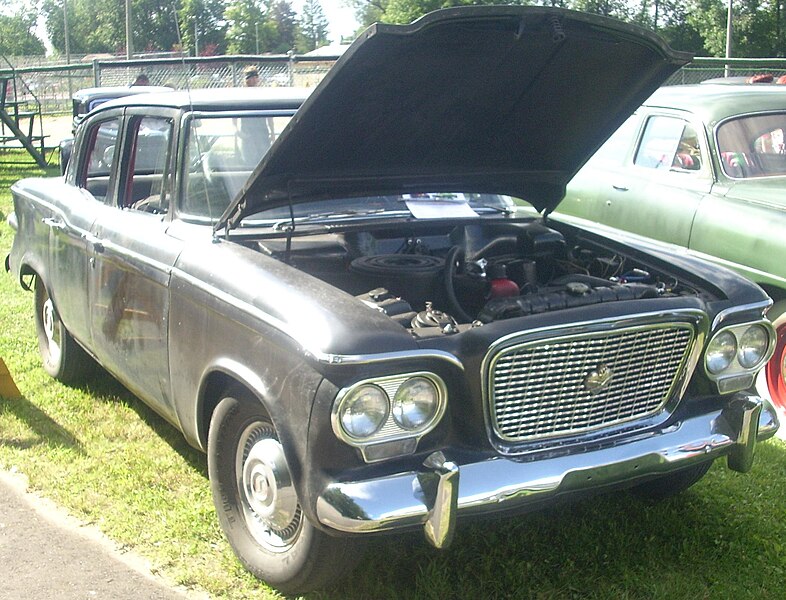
{"x": 336, "y": 298}
{"x": 703, "y": 167}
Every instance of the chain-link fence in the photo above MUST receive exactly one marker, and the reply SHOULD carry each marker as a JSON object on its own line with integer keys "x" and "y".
{"x": 53, "y": 86}
{"x": 702, "y": 69}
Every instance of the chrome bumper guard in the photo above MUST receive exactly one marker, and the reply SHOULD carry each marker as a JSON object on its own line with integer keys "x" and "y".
{"x": 432, "y": 498}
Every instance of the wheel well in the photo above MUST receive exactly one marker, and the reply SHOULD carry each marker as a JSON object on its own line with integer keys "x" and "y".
{"x": 27, "y": 270}
{"x": 214, "y": 389}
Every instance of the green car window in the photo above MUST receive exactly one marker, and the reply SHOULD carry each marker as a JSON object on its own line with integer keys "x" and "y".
{"x": 669, "y": 143}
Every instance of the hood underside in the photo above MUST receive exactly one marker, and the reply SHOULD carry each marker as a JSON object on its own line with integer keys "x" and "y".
{"x": 496, "y": 99}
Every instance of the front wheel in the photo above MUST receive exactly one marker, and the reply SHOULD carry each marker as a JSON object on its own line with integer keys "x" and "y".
{"x": 258, "y": 507}
{"x": 63, "y": 358}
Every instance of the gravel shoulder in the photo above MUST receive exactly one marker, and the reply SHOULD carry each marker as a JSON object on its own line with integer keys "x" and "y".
{"x": 46, "y": 553}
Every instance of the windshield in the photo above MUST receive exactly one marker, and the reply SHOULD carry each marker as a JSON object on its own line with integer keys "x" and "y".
{"x": 421, "y": 206}
{"x": 221, "y": 153}
{"x": 753, "y": 146}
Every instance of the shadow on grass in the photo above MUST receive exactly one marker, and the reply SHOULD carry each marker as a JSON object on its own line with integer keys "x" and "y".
{"x": 45, "y": 430}
{"x": 721, "y": 539}
{"x": 105, "y": 388}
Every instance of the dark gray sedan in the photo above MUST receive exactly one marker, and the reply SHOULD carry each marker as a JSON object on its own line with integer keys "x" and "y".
{"x": 335, "y": 296}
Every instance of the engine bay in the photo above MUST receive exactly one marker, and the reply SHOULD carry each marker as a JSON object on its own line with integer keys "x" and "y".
{"x": 448, "y": 278}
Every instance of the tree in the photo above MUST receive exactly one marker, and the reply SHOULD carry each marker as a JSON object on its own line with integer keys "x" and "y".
{"x": 313, "y": 27}
{"x": 17, "y": 37}
{"x": 248, "y": 30}
{"x": 368, "y": 11}
{"x": 284, "y": 19}
{"x": 202, "y": 23}
{"x": 93, "y": 25}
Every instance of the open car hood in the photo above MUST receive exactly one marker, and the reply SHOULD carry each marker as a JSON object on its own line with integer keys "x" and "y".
{"x": 489, "y": 99}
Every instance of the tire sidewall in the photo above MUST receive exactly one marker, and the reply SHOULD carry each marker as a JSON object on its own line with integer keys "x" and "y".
{"x": 52, "y": 367}
{"x": 281, "y": 569}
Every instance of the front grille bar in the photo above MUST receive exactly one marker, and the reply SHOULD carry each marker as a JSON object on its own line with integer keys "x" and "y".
{"x": 568, "y": 385}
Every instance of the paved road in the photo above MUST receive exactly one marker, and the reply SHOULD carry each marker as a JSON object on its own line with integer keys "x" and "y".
{"x": 46, "y": 554}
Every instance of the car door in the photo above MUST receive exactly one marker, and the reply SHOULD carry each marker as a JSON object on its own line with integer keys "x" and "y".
{"x": 656, "y": 184}
{"x": 132, "y": 259}
{"x": 88, "y": 183}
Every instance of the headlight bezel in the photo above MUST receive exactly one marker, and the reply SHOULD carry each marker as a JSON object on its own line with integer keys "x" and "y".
{"x": 736, "y": 375}
{"x": 390, "y": 431}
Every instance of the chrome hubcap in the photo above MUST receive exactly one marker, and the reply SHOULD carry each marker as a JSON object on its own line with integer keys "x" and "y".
{"x": 51, "y": 330}
{"x": 268, "y": 496}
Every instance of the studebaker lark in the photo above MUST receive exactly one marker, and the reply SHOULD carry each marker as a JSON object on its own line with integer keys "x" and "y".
{"x": 336, "y": 296}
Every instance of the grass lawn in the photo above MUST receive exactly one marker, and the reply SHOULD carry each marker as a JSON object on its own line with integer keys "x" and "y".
{"x": 101, "y": 454}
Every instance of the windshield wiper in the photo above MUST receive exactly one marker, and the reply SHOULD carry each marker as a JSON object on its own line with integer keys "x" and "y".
{"x": 283, "y": 224}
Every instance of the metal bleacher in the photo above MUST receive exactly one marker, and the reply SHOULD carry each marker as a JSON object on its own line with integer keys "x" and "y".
{"x": 20, "y": 122}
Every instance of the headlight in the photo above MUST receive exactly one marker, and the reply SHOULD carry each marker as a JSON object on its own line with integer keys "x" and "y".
{"x": 737, "y": 352}
{"x": 753, "y": 346}
{"x": 386, "y": 416}
{"x": 721, "y": 352}
{"x": 364, "y": 411}
{"x": 415, "y": 403}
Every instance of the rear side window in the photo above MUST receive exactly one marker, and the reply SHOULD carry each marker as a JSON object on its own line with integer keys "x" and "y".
{"x": 669, "y": 143}
{"x": 97, "y": 174}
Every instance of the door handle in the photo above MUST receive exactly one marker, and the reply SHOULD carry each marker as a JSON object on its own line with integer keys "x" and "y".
{"x": 620, "y": 188}
{"x": 53, "y": 223}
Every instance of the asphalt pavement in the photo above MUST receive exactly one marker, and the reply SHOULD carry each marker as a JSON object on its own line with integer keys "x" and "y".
{"x": 45, "y": 553}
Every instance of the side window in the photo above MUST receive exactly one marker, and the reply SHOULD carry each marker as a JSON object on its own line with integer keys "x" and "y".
{"x": 97, "y": 175}
{"x": 669, "y": 143}
{"x": 148, "y": 185}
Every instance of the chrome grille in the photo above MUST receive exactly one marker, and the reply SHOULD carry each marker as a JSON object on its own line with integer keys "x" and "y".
{"x": 573, "y": 384}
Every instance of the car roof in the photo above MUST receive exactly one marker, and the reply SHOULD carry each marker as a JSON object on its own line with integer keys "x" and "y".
{"x": 213, "y": 99}
{"x": 116, "y": 91}
{"x": 714, "y": 102}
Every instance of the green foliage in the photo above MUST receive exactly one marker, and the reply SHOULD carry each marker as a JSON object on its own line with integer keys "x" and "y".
{"x": 246, "y": 24}
{"x": 284, "y": 19}
{"x": 313, "y": 31}
{"x": 368, "y": 12}
{"x": 253, "y": 26}
{"x": 17, "y": 36}
{"x": 93, "y": 25}
{"x": 202, "y": 22}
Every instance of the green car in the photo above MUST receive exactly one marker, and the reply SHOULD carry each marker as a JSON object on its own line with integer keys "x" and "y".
{"x": 703, "y": 167}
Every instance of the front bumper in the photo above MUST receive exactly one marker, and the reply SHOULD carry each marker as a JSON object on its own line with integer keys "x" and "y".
{"x": 433, "y": 497}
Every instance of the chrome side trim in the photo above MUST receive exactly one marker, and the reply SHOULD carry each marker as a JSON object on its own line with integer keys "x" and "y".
{"x": 401, "y": 500}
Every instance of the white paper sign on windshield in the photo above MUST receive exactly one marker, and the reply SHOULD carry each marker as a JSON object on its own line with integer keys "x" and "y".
{"x": 439, "y": 206}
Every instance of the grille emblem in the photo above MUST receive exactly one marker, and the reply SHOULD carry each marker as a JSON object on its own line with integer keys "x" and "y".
{"x": 598, "y": 379}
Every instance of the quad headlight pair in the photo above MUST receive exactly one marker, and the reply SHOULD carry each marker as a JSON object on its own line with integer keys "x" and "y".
{"x": 386, "y": 416}
{"x": 736, "y": 353}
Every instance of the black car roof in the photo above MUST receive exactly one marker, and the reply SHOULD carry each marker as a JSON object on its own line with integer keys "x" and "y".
{"x": 218, "y": 99}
